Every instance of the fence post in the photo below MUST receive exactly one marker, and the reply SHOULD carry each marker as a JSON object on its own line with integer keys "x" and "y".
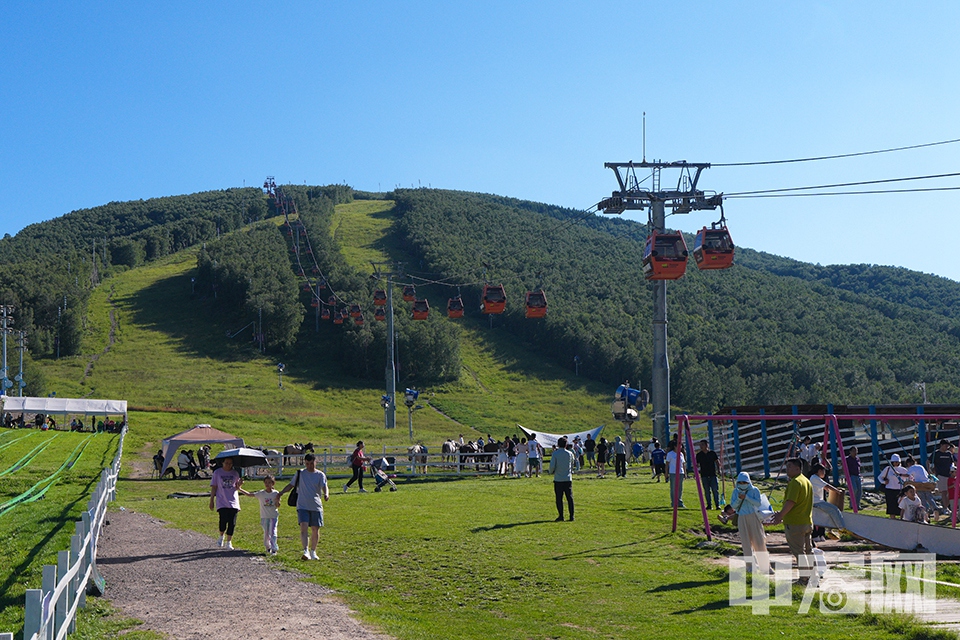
{"x": 922, "y": 437}
{"x": 48, "y": 585}
{"x": 64, "y": 603}
{"x": 77, "y": 557}
{"x": 32, "y": 612}
{"x": 875, "y": 450}
{"x": 736, "y": 442}
{"x": 765, "y": 445}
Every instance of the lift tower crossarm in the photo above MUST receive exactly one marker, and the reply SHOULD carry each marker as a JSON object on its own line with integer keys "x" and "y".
{"x": 680, "y": 200}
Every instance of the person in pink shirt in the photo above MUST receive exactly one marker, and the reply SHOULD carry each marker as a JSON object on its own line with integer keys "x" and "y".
{"x": 225, "y": 496}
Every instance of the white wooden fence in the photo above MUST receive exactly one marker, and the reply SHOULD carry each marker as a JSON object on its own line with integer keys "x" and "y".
{"x": 50, "y": 612}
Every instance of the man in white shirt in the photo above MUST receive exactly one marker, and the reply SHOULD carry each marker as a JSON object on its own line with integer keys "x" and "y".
{"x": 675, "y": 479}
{"x": 534, "y": 456}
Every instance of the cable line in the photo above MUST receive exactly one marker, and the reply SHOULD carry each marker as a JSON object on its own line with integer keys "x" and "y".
{"x": 833, "y": 157}
{"x": 841, "y": 184}
{"x": 846, "y": 193}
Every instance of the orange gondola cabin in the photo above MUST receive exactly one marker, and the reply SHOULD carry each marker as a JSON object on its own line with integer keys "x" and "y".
{"x": 358, "y": 320}
{"x": 380, "y": 315}
{"x": 379, "y": 297}
{"x": 355, "y": 311}
{"x": 421, "y": 309}
{"x": 665, "y": 256}
{"x": 536, "y": 304}
{"x": 455, "y": 307}
{"x": 713, "y": 248}
{"x": 325, "y": 314}
{"x": 409, "y": 293}
{"x": 493, "y": 299}
{"x": 337, "y": 317}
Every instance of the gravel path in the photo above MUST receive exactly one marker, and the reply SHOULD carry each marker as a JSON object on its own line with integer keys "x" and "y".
{"x": 181, "y": 584}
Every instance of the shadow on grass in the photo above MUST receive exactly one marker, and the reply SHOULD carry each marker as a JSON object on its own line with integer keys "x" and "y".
{"x": 710, "y": 606}
{"x": 690, "y": 584}
{"x": 605, "y": 552}
{"x": 185, "y": 556}
{"x": 511, "y": 525}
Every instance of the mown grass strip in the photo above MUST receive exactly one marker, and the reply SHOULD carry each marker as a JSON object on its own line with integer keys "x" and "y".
{"x": 25, "y": 460}
{"x": 13, "y": 442}
{"x": 35, "y": 492}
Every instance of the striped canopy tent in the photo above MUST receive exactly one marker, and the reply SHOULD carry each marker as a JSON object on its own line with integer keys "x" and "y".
{"x": 200, "y": 434}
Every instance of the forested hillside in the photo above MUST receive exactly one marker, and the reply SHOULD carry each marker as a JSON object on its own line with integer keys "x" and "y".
{"x": 768, "y": 331}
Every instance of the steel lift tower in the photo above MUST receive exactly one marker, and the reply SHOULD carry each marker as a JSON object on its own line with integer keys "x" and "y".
{"x": 686, "y": 197}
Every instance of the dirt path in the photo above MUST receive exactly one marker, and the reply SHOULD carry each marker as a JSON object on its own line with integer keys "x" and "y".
{"x": 181, "y": 584}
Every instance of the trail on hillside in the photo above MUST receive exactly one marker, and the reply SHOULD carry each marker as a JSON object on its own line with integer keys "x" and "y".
{"x": 181, "y": 584}
{"x": 111, "y": 337}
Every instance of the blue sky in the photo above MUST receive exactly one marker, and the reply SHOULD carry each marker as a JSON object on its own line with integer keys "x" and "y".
{"x": 127, "y": 100}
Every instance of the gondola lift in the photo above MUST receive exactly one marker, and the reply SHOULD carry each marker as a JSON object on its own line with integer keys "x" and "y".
{"x": 664, "y": 256}
{"x": 379, "y": 297}
{"x": 421, "y": 309}
{"x": 455, "y": 307}
{"x": 493, "y": 299}
{"x": 536, "y": 304}
{"x": 380, "y": 315}
{"x": 355, "y": 311}
{"x": 713, "y": 248}
{"x": 409, "y": 293}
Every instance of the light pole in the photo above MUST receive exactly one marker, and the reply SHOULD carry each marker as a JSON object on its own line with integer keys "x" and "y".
{"x": 6, "y": 320}
{"x": 410, "y": 399}
{"x": 280, "y": 369}
{"x": 576, "y": 364}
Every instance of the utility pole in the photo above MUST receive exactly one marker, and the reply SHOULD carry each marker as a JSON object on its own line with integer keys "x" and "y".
{"x": 389, "y": 400}
{"x": 683, "y": 199}
{"x": 6, "y": 319}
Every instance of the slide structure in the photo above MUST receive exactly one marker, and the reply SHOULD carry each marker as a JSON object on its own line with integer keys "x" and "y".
{"x": 896, "y": 534}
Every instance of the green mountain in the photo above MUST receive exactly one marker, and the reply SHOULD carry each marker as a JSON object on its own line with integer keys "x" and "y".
{"x": 767, "y": 331}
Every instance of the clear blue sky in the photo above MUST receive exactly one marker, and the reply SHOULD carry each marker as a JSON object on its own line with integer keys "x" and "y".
{"x": 128, "y": 100}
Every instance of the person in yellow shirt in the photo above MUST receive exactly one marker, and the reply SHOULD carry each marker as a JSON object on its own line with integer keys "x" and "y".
{"x": 797, "y": 517}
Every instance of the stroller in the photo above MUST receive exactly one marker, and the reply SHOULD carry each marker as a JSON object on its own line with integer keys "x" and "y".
{"x": 379, "y": 468}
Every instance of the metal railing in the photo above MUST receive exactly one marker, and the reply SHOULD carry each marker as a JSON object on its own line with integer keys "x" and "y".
{"x": 50, "y": 612}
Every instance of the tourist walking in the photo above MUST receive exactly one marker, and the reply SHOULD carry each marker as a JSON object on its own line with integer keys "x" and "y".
{"x": 225, "y": 497}
{"x": 312, "y": 491}
{"x": 561, "y": 468}
{"x": 357, "y": 458}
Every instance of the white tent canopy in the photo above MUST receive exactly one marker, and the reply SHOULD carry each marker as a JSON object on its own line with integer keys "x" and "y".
{"x": 200, "y": 434}
{"x": 550, "y": 439}
{"x": 64, "y": 406}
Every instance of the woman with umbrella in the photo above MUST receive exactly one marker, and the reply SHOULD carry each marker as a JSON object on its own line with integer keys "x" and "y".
{"x": 223, "y": 493}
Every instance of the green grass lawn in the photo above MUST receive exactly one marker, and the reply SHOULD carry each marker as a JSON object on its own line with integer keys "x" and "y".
{"x": 482, "y": 558}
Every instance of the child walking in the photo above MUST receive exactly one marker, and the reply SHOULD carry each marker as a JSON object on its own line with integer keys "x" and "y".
{"x": 269, "y": 500}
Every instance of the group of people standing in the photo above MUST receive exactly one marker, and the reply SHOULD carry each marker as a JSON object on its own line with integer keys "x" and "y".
{"x": 905, "y": 485}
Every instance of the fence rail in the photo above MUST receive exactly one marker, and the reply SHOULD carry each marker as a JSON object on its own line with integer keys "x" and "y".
{"x": 50, "y": 612}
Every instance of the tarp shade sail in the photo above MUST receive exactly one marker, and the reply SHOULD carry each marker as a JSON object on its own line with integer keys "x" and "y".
{"x": 200, "y": 434}
{"x": 550, "y": 439}
{"x": 24, "y": 404}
